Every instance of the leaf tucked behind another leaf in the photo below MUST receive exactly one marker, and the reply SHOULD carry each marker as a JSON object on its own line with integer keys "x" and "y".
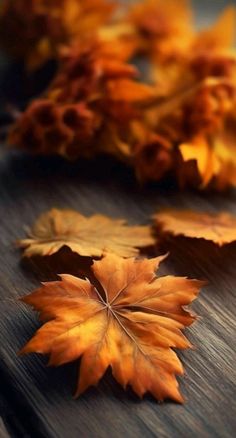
{"x": 87, "y": 236}
{"x": 129, "y": 322}
{"x": 219, "y": 228}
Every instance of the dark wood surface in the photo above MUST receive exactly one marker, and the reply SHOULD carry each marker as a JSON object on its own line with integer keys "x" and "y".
{"x": 36, "y": 400}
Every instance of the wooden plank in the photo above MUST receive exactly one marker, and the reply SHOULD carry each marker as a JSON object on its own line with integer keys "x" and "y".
{"x": 40, "y": 396}
{"x": 10, "y": 425}
{"x": 3, "y": 430}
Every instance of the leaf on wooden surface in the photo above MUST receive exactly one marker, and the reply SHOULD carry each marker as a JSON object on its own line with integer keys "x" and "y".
{"x": 87, "y": 236}
{"x": 129, "y": 321}
{"x": 219, "y": 228}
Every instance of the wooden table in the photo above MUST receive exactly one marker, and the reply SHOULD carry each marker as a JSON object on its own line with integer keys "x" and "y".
{"x": 37, "y": 401}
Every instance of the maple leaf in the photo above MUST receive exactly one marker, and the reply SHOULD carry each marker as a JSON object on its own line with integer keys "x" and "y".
{"x": 87, "y": 236}
{"x": 219, "y": 228}
{"x": 129, "y": 322}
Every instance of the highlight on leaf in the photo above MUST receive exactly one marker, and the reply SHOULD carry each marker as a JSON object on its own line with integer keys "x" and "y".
{"x": 220, "y": 35}
{"x": 162, "y": 29}
{"x": 129, "y": 320}
{"x": 219, "y": 228}
{"x": 86, "y": 236}
{"x": 190, "y": 132}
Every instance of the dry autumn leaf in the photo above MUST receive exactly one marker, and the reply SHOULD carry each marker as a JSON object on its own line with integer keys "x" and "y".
{"x": 129, "y": 321}
{"x": 219, "y": 228}
{"x": 87, "y": 236}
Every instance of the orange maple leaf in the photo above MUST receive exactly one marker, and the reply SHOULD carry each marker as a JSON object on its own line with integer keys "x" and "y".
{"x": 219, "y": 228}
{"x": 87, "y": 236}
{"x": 129, "y": 321}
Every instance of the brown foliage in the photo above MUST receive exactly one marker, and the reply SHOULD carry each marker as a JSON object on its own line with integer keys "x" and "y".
{"x": 86, "y": 236}
{"x": 129, "y": 321}
{"x": 219, "y": 228}
{"x": 181, "y": 124}
{"x": 89, "y": 107}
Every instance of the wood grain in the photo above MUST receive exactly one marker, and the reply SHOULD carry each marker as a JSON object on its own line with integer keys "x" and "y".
{"x": 41, "y": 397}
{"x": 3, "y": 431}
